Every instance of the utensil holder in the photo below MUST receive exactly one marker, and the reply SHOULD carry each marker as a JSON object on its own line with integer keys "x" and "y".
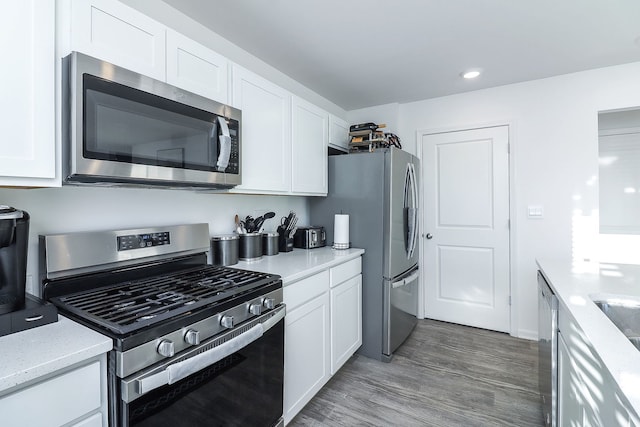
{"x": 270, "y": 243}
{"x": 224, "y": 250}
{"x": 285, "y": 243}
{"x": 250, "y": 246}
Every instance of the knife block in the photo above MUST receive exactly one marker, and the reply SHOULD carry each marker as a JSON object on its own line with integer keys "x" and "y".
{"x": 285, "y": 243}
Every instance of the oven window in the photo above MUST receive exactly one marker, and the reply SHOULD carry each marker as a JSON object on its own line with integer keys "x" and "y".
{"x": 244, "y": 389}
{"x": 128, "y": 125}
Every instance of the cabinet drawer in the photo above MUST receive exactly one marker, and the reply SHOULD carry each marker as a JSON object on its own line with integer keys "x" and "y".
{"x": 345, "y": 271}
{"x": 305, "y": 290}
{"x": 58, "y": 400}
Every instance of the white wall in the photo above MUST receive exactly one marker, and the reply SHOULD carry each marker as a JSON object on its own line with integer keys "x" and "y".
{"x": 554, "y": 146}
{"x": 70, "y": 209}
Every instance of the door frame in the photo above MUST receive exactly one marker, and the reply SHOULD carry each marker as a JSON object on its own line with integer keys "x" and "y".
{"x": 513, "y": 290}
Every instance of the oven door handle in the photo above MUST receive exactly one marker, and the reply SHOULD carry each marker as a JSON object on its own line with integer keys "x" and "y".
{"x": 177, "y": 371}
{"x": 180, "y": 370}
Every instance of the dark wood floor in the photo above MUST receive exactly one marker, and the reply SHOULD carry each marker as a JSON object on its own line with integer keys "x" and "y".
{"x": 443, "y": 375}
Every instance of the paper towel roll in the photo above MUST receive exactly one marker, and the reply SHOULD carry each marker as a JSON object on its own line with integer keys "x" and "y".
{"x": 341, "y": 231}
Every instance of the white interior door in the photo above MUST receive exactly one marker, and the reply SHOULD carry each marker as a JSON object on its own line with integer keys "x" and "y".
{"x": 465, "y": 181}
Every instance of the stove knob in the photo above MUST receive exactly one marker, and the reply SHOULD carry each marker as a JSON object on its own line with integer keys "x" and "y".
{"x": 269, "y": 303}
{"x": 192, "y": 337}
{"x": 227, "y": 321}
{"x": 255, "y": 309}
{"x": 165, "y": 348}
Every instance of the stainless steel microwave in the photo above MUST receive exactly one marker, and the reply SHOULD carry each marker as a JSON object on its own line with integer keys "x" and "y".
{"x": 123, "y": 128}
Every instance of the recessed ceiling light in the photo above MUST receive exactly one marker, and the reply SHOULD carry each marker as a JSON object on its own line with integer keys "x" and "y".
{"x": 470, "y": 74}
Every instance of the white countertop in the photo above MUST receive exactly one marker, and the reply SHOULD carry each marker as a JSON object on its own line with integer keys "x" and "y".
{"x": 300, "y": 263}
{"x": 34, "y": 353}
{"x": 576, "y": 286}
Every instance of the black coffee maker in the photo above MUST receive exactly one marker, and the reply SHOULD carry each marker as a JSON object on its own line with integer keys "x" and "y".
{"x": 14, "y": 242}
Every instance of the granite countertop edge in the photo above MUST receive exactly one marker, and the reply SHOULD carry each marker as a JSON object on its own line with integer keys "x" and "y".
{"x": 32, "y": 355}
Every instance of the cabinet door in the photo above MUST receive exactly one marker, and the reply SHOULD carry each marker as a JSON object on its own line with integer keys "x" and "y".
{"x": 94, "y": 420}
{"x": 265, "y": 133}
{"x": 309, "y": 148}
{"x": 338, "y": 133}
{"x": 59, "y": 400}
{"x": 116, "y": 33}
{"x": 27, "y": 123}
{"x": 586, "y": 390}
{"x": 569, "y": 383}
{"x": 196, "y": 68}
{"x": 306, "y": 353}
{"x": 346, "y": 321}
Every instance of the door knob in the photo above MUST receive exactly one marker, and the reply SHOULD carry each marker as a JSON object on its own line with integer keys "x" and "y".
{"x": 429, "y": 236}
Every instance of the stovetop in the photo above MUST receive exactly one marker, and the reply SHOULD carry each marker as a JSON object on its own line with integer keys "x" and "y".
{"x": 129, "y": 306}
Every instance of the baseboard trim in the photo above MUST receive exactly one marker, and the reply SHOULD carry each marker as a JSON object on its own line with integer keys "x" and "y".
{"x": 527, "y": 334}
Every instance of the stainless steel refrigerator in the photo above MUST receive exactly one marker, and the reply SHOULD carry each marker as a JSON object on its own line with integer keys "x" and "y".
{"x": 379, "y": 191}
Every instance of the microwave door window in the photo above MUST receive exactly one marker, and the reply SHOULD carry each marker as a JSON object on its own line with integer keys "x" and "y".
{"x": 125, "y": 129}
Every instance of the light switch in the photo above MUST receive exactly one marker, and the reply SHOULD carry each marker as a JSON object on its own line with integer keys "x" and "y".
{"x": 535, "y": 212}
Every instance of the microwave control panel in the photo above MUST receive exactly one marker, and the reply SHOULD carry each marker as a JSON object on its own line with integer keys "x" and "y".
{"x": 138, "y": 241}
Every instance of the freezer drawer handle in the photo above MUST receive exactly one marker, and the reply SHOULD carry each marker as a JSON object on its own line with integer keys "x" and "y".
{"x": 406, "y": 280}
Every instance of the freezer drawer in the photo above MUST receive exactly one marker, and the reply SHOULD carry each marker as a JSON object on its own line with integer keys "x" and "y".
{"x": 400, "y": 310}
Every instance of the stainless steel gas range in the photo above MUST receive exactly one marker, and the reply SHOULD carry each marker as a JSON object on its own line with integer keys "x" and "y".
{"x": 193, "y": 344}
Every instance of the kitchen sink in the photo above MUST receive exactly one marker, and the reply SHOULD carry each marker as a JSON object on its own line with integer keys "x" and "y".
{"x": 625, "y": 314}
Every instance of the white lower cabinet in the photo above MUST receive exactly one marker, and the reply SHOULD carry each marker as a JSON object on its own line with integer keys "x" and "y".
{"x": 94, "y": 420}
{"x": 73, "y": 397}
{"x": 323, "y": 329}
{"x": 346, "y": 312}
{"x": 569, "y": 402}
{"x": 306, "y": 360}
{"x": 587, "y": 393}
{"x": 346, "y": 321}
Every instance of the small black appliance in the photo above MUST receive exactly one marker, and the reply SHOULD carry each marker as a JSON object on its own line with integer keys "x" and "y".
{"x": 18, "y": 311}
{"x": 14, "y": 240}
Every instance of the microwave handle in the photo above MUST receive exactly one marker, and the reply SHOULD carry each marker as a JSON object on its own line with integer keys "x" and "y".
{"x": 225, "y": 145}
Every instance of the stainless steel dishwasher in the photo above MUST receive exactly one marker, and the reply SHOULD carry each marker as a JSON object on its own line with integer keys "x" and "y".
{"x": 548, "y": 351}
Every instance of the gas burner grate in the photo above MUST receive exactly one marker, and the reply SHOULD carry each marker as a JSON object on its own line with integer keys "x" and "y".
{"x": 132, "y": 305}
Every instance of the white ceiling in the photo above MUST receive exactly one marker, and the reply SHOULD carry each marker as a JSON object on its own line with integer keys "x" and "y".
{"x": 360, "y": 53}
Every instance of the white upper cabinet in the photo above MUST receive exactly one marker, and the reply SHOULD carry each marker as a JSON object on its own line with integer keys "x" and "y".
{"x": 338, "y": 133}
{"x": 309, "y": 148}
{"x": 116, "y": 33}
{"x": 27, "y": 120}
{"x": 196, "y": 68}
{"x": 265, "y": 133}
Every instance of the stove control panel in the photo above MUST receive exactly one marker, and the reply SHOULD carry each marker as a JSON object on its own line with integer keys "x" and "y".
{"x": 138, "y": 241}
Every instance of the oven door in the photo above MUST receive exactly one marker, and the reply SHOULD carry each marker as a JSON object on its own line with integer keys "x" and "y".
{"x": 231, "y": 380}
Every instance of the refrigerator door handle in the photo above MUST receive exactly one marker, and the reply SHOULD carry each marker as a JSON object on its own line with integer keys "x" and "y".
{"x": 411, "y": 192}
